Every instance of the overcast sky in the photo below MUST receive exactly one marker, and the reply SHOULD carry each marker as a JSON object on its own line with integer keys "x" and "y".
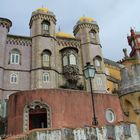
{"x": 114, "y": 17}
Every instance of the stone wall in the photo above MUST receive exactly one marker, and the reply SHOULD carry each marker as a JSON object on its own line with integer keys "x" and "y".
{"x": 129, "y": 92}
{"x": 130, "y": 81}
{"x": 118, "y": 132}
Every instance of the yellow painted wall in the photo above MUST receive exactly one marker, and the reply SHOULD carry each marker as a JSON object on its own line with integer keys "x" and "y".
{"x": 115, "y": 73}
{"x": 111, "y": 85}
{"x": 131, "y": 106}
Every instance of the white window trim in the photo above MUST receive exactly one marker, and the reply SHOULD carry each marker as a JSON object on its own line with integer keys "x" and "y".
{"x": 72, "y": 59}
{"x": 109, "y": 110}
{"x": 11, "y": 78}
{"x": 13, "y": 57}
{"x": 48, "y": 74}
{"x": 46, "y": 57}
{"x": 45, "y": 27}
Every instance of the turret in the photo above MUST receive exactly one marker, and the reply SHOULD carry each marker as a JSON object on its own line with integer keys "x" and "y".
{"x": 5, "y": 25}
{"x": 42, "y": 25}
{"x": 42, "y": 22}
{"x": 87, "y": 31}
{"x": 129, "y": 93}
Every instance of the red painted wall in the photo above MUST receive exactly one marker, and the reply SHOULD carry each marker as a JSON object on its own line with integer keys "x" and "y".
{"x": 69, "y": 108}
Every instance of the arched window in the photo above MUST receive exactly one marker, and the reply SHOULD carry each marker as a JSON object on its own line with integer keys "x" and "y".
{"x": 15, "y": 57}
{"x": 46, "y": 58}
{"x": 69, "y": 59}
{"x": 45, "y": 77}
{"x": 13, "y": 78}
{"x": 45, "y": 26}
{"x": 72, "y": 59}
{"x": 92, "y": 35}
{"x": 97, "y": 62}
{"x": 65, "y": 60}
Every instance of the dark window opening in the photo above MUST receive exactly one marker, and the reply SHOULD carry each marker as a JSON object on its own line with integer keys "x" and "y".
{"x": 37, "y": 118}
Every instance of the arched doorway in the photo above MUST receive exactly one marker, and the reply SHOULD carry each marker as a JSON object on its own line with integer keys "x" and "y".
{"x": 37, "y": 118}
{"x": 36, "y": 115}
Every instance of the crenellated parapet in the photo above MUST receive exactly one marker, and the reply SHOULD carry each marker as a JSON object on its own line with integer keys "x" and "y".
{"x": 83, "y": 25}
{"x": 42, "y": 14}
{"x": 130, "y": 81}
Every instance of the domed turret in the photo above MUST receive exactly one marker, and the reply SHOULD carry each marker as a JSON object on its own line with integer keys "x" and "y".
{"x": 42, "y": 22}
{"x": 87, "y": 22}
{"x": 42, "y": 25}
{"x": 87, "y": 31}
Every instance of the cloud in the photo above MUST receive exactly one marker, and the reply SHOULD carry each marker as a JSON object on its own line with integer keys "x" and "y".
{"x": 115, "y": 17}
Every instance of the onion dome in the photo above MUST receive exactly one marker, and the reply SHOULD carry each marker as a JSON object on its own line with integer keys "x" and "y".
{"x": 64, "y": 35}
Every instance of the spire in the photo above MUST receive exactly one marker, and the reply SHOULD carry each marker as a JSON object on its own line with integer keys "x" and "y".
{"x": 59, "y": 29}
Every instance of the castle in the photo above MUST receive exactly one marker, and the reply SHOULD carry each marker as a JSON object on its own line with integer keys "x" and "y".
{"x": 42, "y": 84}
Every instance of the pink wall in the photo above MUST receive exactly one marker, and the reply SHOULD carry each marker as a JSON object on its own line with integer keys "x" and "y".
{"x": 69, "y": 108}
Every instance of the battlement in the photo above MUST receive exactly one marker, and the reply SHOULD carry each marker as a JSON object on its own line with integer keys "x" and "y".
{"x": 130, "y": 81}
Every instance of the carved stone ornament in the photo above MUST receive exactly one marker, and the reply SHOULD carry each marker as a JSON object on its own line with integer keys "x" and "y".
{"x": 71, "y": 72}
{"x": 32, "y": 106}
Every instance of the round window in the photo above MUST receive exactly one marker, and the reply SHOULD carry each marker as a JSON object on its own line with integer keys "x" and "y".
{"x": 110, "y": 116}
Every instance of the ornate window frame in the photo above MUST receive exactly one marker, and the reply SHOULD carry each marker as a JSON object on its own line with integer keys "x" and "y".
{"x": 70, "y": 57}
{"x": 32, "y": 106}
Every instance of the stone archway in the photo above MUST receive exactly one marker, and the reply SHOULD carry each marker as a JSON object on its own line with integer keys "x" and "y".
{"x": 34, "y": 110}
